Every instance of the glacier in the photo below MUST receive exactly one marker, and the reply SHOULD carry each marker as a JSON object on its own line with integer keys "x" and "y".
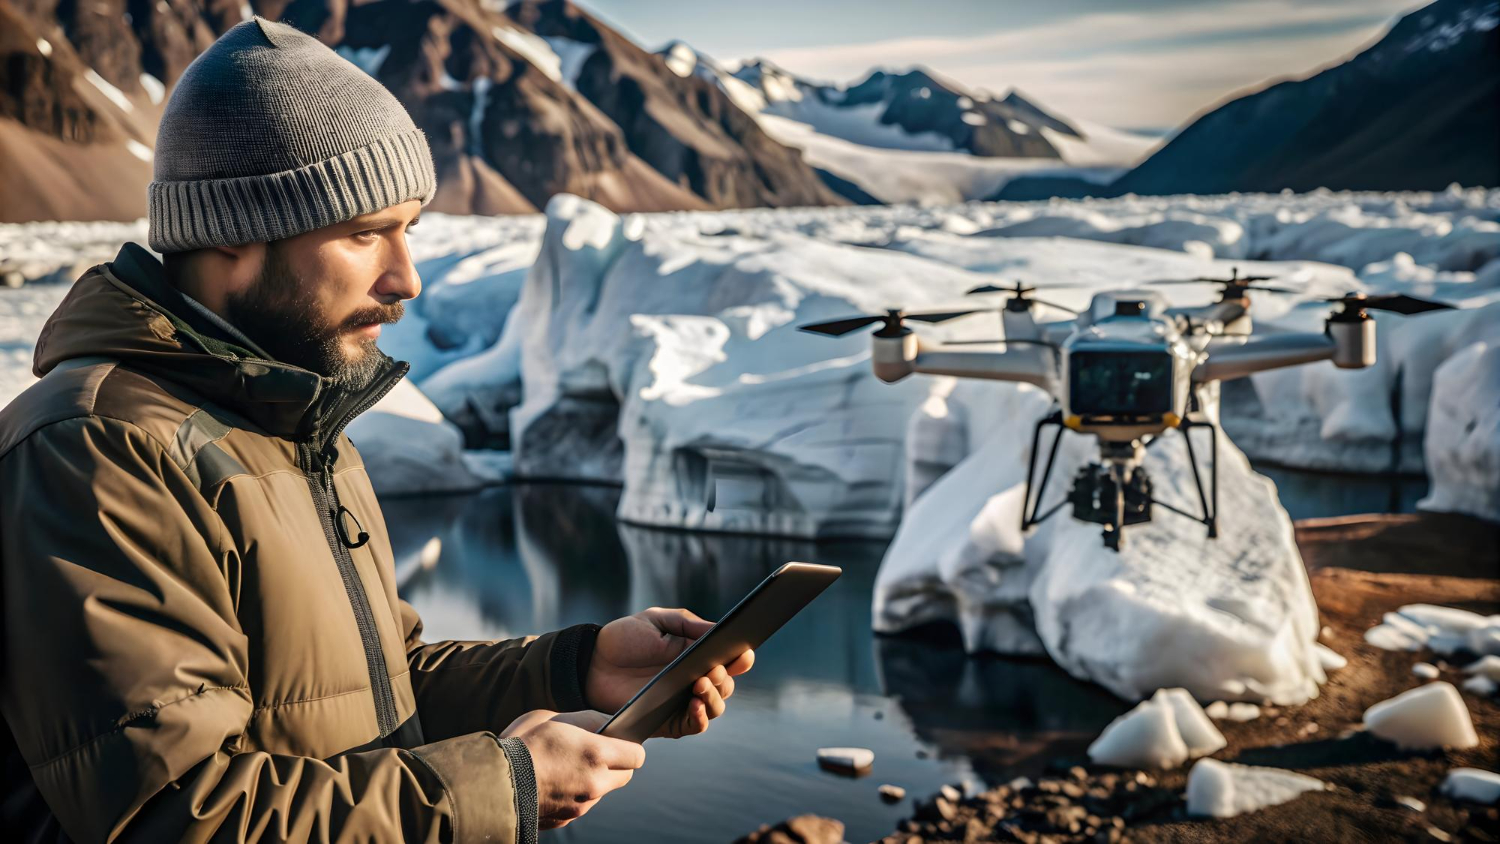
{"x": 659, "y": 352}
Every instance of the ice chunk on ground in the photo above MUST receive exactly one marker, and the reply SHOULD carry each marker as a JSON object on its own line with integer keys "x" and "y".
{"x": 1488, "y": 666}
{"x": 1429, "y": 716}
{"x": 1481, "y": 685}
{"x": 1243, "y": 712}
{"x": 1197, "y": 731}
{"x": 1329, "y": 659}
{"x": 1411, "y": 803}
{"x": 1425, "y": 670}
{"x": 1473, "y": 785}
{"x": 409, "y": 447}
{"x": 846, "y": 758}
{"x": 1222, "y": 789}
{"x": 1145, "y": 737}
{"x": 1446, "y": 630}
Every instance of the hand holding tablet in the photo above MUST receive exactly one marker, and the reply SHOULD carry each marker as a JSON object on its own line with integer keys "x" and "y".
{"x": 751, "y": 622}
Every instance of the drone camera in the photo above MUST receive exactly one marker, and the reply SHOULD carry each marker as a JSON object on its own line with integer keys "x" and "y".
{"x": 1115, "y": 384}
{"x": 1094, "y": 494}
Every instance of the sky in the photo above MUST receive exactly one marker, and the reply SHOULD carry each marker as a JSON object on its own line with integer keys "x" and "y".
{"x": 1140, "y": 64}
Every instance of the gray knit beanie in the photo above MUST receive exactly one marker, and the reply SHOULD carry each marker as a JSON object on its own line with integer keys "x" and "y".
{"x": 269, "y": 134}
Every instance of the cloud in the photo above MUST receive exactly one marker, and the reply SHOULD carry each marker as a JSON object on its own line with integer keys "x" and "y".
{"x": 1154, "y": 67}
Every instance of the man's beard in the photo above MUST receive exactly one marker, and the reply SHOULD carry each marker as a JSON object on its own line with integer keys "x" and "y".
{"x": 280, "y": 312}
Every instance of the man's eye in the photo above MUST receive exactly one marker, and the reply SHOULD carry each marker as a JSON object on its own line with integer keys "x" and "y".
{"x": 368, "y": 235}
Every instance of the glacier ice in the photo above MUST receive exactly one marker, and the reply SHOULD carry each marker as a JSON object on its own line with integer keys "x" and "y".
{"x": 659, "y": 352}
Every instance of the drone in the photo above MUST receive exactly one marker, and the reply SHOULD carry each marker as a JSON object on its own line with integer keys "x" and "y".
{"x": 1125, "y": 371}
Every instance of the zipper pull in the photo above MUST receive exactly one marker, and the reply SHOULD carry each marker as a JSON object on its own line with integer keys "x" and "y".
{"x": 338, "y": 520}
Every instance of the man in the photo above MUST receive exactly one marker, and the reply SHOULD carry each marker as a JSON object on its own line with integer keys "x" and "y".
{"x": 202, "y": 636}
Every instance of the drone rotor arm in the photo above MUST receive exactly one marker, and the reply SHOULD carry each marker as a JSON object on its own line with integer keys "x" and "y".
{"x": 1021, "y": 365}
{"x": 1275, "y": 352}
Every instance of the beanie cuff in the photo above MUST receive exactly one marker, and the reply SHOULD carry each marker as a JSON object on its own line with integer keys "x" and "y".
{"x": 248, "y": 209}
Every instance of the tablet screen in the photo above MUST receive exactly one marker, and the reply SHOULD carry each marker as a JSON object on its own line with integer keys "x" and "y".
{"x": 750, "y": 623}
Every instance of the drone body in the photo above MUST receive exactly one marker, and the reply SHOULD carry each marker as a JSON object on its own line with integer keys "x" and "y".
{"x": 1125, "y": 371}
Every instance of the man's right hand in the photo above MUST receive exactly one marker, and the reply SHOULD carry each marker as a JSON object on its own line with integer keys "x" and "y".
{"x": 574, "y": 765}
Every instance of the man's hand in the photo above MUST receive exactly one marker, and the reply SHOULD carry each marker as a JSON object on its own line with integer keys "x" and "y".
{"x": 631, "y": 650}
{"x": 574, "y": 765}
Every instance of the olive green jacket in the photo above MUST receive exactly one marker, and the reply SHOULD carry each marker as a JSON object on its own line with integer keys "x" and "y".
{"x": 202, "y": 638}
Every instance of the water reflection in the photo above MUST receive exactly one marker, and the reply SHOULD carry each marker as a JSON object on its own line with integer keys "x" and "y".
{"x": 1308, "y": 495}
{"x": 526, "y": 559}
{"x": 1007, "y": 716}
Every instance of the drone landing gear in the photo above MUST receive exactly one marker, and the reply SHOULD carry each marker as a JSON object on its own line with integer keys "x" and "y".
{"x": 1117, "y": 492}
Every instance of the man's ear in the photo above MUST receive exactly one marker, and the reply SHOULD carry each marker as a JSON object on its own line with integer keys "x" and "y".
{"x": 214, "y": 273}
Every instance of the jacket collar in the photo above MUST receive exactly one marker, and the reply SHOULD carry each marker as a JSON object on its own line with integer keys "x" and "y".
{"x": 127, "y": 310}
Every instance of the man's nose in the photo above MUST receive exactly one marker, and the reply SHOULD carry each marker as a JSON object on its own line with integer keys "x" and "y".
{"x": 400, "y": 280}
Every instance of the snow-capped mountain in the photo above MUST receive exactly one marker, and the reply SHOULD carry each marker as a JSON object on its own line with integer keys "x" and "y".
{"x": 914, "y": 135}
{"x": 683, "y": 127}
{"x": 1418, "y": 110}
{"x": 513, "y": 118}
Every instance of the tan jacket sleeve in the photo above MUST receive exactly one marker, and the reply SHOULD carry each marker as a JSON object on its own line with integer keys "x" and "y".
{"x": 464, "y": 686}
{"x": 124, "y": 673}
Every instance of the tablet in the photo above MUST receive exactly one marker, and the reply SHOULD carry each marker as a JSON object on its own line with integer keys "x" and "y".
{"x": 751, "y": 622}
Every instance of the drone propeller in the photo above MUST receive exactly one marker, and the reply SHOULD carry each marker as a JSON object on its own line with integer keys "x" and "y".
{"x": 1227, "y": 283}
{"x": 1235, "y": 280}
{"x": 1018, "y": 292}
{"x": 1017, "y": 289}
{"x": 892, "y": 320}
{"x": 1395, "y": 302}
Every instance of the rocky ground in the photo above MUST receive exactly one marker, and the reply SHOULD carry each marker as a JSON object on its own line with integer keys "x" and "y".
{"x": 1360, "y": 567}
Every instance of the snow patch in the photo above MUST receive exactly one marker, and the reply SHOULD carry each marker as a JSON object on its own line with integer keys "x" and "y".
{"x": 114, "y": 94}
{"x": 681, "y": 59}
{"x": 533, "y": 48}
{"x": 154, "y": 88}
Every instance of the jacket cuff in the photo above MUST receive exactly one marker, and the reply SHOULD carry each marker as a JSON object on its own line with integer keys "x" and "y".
{"x": 523, "y": 782}
{"x": 471, "y": 769}
{"x": 572, "y": 651}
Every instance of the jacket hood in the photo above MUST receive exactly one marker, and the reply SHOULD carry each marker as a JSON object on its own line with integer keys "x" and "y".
{"x": 126, "y": 310}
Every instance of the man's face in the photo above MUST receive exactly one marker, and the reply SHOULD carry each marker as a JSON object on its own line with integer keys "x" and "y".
{"x": 321, "y": 297}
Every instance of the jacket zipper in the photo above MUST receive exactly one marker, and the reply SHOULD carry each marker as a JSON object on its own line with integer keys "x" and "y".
{"x": 318, "y": 467}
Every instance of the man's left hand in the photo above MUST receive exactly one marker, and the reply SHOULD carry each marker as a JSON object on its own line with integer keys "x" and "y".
{"x": 631, "y": 650}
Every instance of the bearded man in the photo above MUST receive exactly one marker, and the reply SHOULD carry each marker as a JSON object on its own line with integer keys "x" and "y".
{"x": 202, "y": 634}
